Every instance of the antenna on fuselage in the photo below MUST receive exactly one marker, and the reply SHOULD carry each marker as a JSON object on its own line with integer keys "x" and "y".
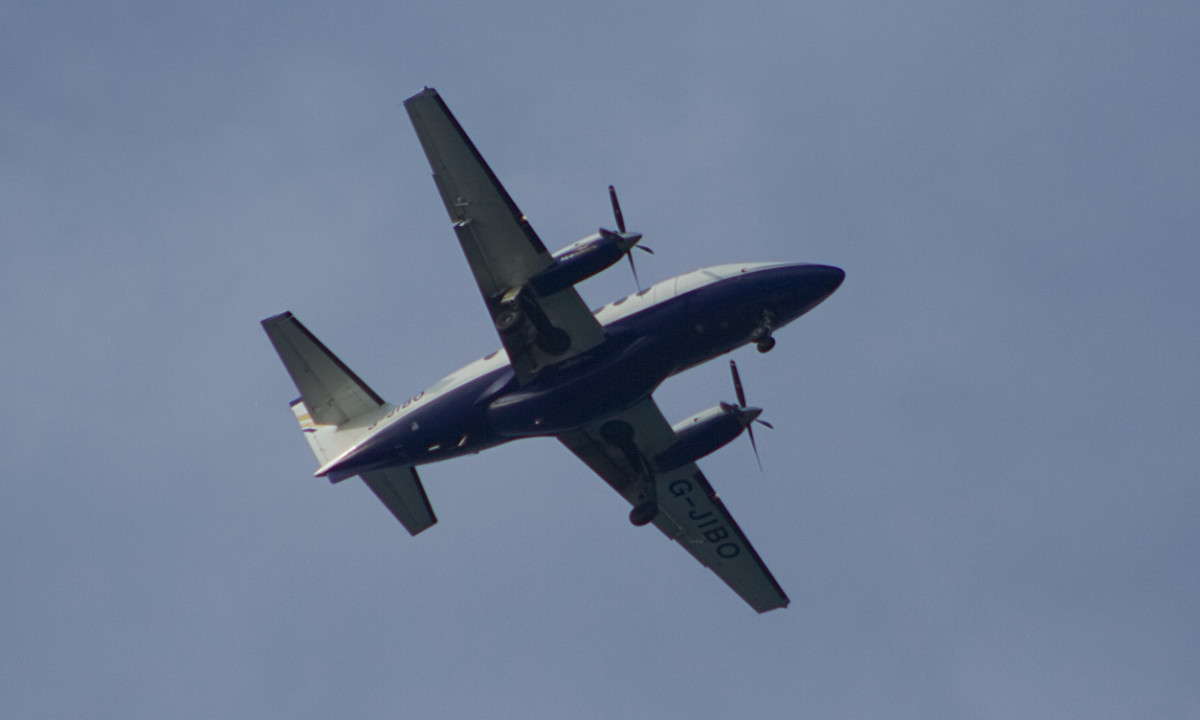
{"x": 620, "y": 218}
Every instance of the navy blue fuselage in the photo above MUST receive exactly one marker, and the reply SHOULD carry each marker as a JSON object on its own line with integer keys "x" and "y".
{"x": 708, "y": 317}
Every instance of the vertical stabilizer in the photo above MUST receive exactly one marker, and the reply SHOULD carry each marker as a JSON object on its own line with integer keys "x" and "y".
{"x": 327, "y": 442}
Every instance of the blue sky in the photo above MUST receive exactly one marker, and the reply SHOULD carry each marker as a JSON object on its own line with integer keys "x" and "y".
{"x": 982, "y": 491}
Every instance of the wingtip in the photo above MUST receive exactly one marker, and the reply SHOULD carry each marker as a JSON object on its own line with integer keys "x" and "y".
{"x": 285, "y": 315}
{"x": 425, "y": 92}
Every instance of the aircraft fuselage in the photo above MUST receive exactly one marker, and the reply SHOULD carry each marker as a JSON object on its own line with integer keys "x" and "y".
{"x": 670, "y": 327}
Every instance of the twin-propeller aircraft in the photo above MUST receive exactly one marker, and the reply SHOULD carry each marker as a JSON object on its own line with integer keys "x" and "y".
{"x": 585, "y": 378}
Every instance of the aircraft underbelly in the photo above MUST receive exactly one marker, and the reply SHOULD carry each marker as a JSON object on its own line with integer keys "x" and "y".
{"x": 576, "y": 396}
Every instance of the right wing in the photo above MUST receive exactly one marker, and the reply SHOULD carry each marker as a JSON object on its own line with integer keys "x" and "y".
{"x": 689, "y": 511}
{"x": 504, "y": 252}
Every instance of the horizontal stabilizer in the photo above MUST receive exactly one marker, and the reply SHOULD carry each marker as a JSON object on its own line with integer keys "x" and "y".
{"x": 400, "y": 489}
{"x": 332, "y": 393}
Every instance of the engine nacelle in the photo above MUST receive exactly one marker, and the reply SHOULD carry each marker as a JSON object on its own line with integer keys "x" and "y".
{"x": 703, "y": 433}
{"x": 581, "y": 260}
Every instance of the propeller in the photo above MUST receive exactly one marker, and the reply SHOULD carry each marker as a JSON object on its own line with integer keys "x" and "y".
{"x": 620, "y": 218}
{"x": 753, "y": 412}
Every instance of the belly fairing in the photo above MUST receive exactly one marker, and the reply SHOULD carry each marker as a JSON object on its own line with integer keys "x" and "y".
{"x": 575, "y": 394}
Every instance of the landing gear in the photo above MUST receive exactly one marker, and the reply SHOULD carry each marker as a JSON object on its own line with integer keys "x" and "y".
{"x": 509, "y": 312}
{"x": 761, "y": 335}
{"x": 619, "y": 434}
{"x": 519, "y": 315}
{"x": 643, "y": 513}
{"x": 507, "y": 319}
{"x": 553, "y": 341}
{"x": 647, "y": 503}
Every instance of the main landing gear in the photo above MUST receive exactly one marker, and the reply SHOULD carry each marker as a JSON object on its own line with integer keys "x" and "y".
{"x": 645, "y": 511}
{"x": 761, "y": 335}
{"x": 619, "y": 434}
{"x": 518, "y": 316}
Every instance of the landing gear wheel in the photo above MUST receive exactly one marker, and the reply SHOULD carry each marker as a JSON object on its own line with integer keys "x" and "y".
{"x": 761, "y": 335}
{"x": 643, "y": 513}
{"x": 507, "y": 319}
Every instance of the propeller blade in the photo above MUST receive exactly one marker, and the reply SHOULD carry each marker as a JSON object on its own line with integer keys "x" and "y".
{"x": 627, "y": 238}
{"x": 612, "y": 195}
{"x": 634, "y": 269}
{"x": 737, "y": 384}
{"x": 741, "y": 397}
{"x": 754, "y": 445}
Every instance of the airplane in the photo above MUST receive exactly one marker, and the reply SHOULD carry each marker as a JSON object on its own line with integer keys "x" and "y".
{"x": 584, "y": 377}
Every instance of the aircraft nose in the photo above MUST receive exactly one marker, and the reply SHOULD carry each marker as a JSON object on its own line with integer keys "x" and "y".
{"x": 825, "y": 278}
{"x": 805, "y": 287}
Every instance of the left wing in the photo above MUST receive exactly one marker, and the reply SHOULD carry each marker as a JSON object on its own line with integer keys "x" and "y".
{"x": 617, "y": 448}
{"x": 504, "y": 252}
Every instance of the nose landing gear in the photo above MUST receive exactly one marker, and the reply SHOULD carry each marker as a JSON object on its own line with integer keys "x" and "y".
{"x": 761, "y": 335}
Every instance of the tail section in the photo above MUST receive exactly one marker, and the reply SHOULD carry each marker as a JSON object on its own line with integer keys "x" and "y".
{"x": 400, "y": 489}
{"x": 327, "y": 442}
{"x": 335, "y": 406}
{"x": 336, "y": 410}
{"x": 331, "y": 391}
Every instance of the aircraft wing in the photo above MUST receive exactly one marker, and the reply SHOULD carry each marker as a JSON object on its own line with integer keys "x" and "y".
{"x": 504, "y": 252}
{"x": 689, "y": 510}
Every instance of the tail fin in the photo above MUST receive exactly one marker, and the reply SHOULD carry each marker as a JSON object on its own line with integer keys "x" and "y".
{"x": 327, "y": 442}
{"x": 335, "y": 406}
{"x": 335, "y": 410}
